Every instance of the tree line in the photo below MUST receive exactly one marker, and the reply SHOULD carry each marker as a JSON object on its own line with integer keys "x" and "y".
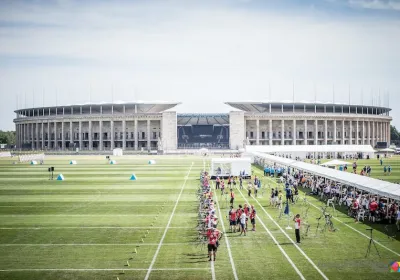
{"x": 7, "y": 137}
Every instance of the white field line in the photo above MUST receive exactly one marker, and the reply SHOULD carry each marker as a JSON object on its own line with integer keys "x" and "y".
{"x": 276, "y": 242}
{"x": 166, "y": 229}
{"x": 83, "y": 215}
{"x": 291, "y": 240}
{"x": 213, "y": 271}
{"x": 90, "y": 244}
{"x": 50, "y": 228}
{"x": 55, "y": 206}
{"x": 366, "y": 236}
{"x": 99, "y": 269}
{"x": 104, "y": 244}
{"x": 228, "y": 245}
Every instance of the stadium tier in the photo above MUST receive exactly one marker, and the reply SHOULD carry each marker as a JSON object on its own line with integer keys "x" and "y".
{"x": 149, "y": 126}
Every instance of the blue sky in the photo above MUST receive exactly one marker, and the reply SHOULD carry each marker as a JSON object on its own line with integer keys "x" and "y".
{"x": 200, "y": 53}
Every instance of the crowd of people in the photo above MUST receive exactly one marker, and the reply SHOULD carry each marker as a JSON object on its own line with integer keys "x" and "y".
{"x": 361, "y": 206}
{"x": 239, "y": 216}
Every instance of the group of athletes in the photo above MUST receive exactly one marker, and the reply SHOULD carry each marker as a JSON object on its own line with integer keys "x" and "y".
{"x": 238, "y": 217}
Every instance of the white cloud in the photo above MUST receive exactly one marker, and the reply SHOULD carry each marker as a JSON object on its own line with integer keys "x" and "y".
{"x": 201, "y": 56}
{"x": 376, "y": 4}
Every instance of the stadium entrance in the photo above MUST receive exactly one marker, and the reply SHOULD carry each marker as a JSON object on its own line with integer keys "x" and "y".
{"x": 209, "y": 131}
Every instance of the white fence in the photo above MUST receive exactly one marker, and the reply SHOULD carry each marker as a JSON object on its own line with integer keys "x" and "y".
{"x": 25, "y": 158}
{"x": 5, "y": 154}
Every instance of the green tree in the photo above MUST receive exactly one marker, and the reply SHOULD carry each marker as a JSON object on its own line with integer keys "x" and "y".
{"x": 394, "y": 134}
{"x": 7, "y": 137}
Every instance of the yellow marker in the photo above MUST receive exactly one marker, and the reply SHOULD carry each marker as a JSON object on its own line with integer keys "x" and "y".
{"x": 135, "y": 251}
{"x": 127, "y": 263}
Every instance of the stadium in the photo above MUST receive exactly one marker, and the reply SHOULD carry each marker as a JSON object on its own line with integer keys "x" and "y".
{"x": 154, "y": 126}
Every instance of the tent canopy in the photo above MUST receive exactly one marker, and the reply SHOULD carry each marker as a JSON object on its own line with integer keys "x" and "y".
{"x": 386, "y": 150}
{"x": 306, "y": 149}
{"x": 230, "y": 166}
{"x": 368, "y": 184}
{"x": 335, "y": 162}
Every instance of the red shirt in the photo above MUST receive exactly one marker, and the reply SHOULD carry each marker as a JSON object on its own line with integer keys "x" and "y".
{"x": 239, "y": 213}
{"x": 232, "y": 215}
{"x": 213, "y": 238}
{"x": 232, "y": 195}
{"x": 253, "y": 214}
{"x": 373, "y": 206}
{"x": 246, "y": 211}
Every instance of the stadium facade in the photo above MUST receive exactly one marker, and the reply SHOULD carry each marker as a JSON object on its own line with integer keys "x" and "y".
{"x": 154, "y": 126}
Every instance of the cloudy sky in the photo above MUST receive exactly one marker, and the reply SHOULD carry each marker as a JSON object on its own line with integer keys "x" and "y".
{"x": 200, "y": 53}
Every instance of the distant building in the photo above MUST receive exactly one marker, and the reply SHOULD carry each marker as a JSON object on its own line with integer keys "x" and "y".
{"x": 151, "y": 126}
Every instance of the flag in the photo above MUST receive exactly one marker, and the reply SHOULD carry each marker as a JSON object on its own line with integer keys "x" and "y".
{"x": 286, "y": 209}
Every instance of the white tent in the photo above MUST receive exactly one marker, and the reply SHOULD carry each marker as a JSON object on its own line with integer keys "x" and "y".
{"x": 230, "y": 166}
{"x": 335, "y": 162}
{"x": 368, "y": 184}
{"x": 117, "y": 152}
{"x": 386, "y": 150}
{"x": 303, "y": 151}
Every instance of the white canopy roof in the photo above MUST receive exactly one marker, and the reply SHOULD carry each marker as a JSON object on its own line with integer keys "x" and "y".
{"x": 335, "y": 162}
{"x": 368, "y": 184}
{"x": 310, "y": 148}
{"x": 227, "y": 160}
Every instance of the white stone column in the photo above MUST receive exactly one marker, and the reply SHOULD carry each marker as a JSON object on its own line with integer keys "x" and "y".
{"x": 294, "y": 137}
{"x": 112, "y": 134}
{"x": 257, "y": 132}
{"x": 282, "y": 132}
{"x": 169, "y": 132}
{"x": 326, "y": 132}
{"x": 90, "y": 136}
{"x": 55, "y": 136}
{"x": 37, "y": 135}
{"x": 389, "y": 131}
{"x": 71, "y": 136}
{"x": 305, "y": 133}
{"x": 100, "y": 135}
{"x": 62, "y": 136}
{"x": 32, "y": 137}
{"x": 80, "y": 136}
{"x": 357, "y": 133}
{"x": 363, "y": 133}
{"x": 124, "y": 133}
{"x": 343, "y": 131}
{"x": 136, "y": 134}
{"x": 42, "y": 132}
{"x": 351, "y": 132}
{"x": 334, "y": 132}
{"x": 270, "y": 131}
{"x": 381, "y": 129}
{"x": 316, "y": 132}
{"x": 148, "y": 135}
{"x": 373, "y": 134}
{"x": 368, "y": 132}
{"x": 48, "y": 135}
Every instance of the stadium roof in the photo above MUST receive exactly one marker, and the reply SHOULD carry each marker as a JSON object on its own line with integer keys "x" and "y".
{"x": 263, "y": 106}
{"x": 142, "y": 106}
{"x": 365, "y": 183}
{"x": 203, "y": 119}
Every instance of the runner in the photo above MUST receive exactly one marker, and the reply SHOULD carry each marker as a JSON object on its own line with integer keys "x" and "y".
{"x": 232, "y": 197}
{"x": 246, "y": 210}
{"x": 222, "y": 187}
{"x": 241, "y": 183}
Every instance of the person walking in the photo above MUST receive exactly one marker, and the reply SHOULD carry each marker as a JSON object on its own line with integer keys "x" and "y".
{"x": 297, "y": 224}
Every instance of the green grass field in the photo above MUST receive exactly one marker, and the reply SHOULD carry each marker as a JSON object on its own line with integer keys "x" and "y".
{"x": 90, "y": 225}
